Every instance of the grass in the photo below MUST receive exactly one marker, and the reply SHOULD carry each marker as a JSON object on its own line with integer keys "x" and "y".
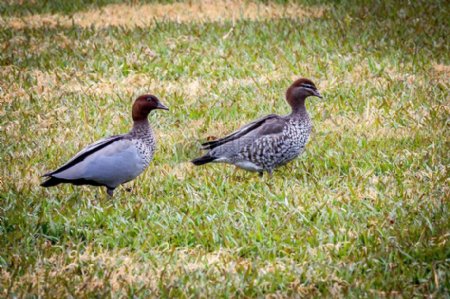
{"x": 363, "y": 213}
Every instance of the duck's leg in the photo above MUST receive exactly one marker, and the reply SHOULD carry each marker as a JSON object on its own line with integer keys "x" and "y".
{"x": 110, "y": 191}
{"x": 270, "y": 172}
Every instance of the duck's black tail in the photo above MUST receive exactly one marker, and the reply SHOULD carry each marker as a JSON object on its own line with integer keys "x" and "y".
{"x": 203, "y": 160}
{"x": 52, "y": 181}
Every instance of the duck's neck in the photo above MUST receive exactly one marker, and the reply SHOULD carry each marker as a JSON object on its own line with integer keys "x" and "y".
{"x": 299, "y": 109}
{"x": 141, "y": 127}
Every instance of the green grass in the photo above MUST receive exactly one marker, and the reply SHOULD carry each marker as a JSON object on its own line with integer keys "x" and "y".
{"x": 363, "y": 213}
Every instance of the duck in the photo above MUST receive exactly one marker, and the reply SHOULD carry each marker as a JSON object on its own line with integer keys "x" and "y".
{"x": 270, "y": 141}
{"x": 114, "y": 160}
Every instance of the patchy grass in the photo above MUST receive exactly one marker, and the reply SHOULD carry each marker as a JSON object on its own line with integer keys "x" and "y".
{"x": 143, "y": 15}
{"x": 363, "y": 213}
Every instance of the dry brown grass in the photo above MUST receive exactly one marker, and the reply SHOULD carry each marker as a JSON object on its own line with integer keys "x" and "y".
{"x": 441, "y": 74}
{"x": 55, "y": 83}
{"x": 442, "y": 69}
{"x": 21, "y": 45}
{"x": 145, "y": 15}
{"x": 124, "y": 269}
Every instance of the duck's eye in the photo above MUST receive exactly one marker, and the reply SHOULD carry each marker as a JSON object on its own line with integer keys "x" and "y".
{"x": 149, "y": 99}
{"x": 305, "y": 85}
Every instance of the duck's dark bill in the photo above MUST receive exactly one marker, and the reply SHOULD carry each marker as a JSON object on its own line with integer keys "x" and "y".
{"x": 161, "y": 106}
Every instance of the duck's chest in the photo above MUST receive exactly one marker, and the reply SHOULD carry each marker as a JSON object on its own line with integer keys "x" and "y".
{"x": 294, "y": 140}
{"x": 145, "y": 146}
{"x": 296, "y": 134}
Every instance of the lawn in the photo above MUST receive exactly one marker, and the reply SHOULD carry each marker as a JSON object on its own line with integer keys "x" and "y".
{"x": 364, "y": 212}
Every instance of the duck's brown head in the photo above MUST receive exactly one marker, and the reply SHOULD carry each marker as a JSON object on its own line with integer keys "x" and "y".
{"x": 300, "y": 90}
{"x": 144, "y": 104}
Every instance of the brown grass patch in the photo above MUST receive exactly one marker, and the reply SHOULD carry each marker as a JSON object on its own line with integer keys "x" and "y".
{"x": 442, "y": 69}
{"x": 441, "y": 73}
{"x": 90, "y": 272}
{"x": 78, "y": 274}
{"x": 145, "y": 15}
{"x": 53, "y": 84}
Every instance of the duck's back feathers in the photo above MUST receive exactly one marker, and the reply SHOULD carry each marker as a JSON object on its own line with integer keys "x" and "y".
{"x": 269, "y": 124}
{"x": 112, "y": 163}
{"x": 84, "y": 153}
{"x": 268, "y": 128}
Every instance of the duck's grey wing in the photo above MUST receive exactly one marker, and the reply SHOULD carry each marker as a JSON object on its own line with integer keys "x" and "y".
{"x": 270, "y": 131}
{"x": 87, "y": 151}
{"x": 252, "y": 127}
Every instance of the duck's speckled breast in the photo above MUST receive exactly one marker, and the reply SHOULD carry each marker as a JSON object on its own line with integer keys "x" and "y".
{"x": 146, "y": 148}
{"x": 296, "y": 137}
{"x": 269, "y": 152}
{"x": 145, "y": 142}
